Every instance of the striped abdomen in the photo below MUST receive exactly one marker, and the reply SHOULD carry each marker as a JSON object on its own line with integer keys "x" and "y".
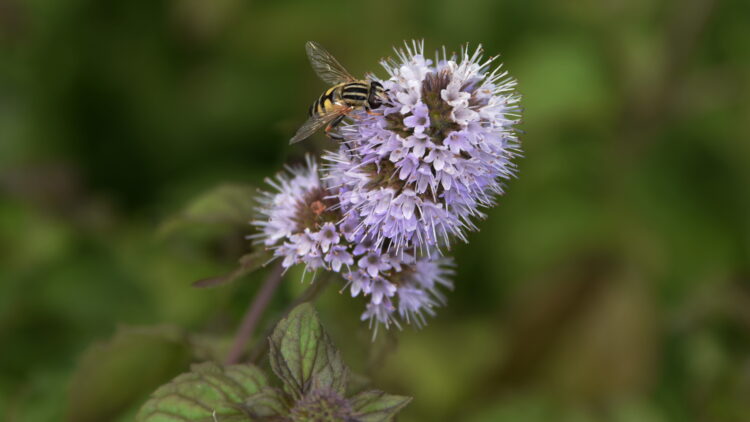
{"x": 352, "y": 94}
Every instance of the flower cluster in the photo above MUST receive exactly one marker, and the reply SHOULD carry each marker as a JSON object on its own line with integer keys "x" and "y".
{"x": 301, "y": 223}
{"x": 298, "y": 221}
{"x": 416, "y": 175}
{"x": 402, "y": 184}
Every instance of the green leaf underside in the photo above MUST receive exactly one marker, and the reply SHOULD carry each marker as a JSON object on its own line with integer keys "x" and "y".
{"x": 209, "y": 393}
{"x": 112, "y": 376}
{"x": 228, "y": 204}
{"x": 303, "y": 356}
{"x": 377, "y": 406}
{"x": 247, "y": 264}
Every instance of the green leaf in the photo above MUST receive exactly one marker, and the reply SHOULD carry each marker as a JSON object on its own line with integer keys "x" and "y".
{"x": 208, "y": 393}
{"x": 247, "y": 264}
{"x": 267, "y": 403}
{"x": 377, "y": 406}
{"x": 113, "y": 376}
{"x": 227, "y": 204}
{"x": 304, "y": 357}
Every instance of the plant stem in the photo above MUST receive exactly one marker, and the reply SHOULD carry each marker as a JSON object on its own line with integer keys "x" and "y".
{"x": 252, "y": 315}
{"x": 312, "y": 292}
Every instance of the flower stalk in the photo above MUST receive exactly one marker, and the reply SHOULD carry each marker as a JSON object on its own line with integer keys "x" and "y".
{"x": 253, "y": 314}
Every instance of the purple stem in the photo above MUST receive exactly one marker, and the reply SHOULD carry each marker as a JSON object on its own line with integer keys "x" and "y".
{"x": 252, "y": 315}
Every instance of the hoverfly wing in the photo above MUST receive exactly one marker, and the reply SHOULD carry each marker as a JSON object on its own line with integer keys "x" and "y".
{"x": 312, "y": 125}
{"x": 315, "y": 123}
{"x": 326, "y": 66}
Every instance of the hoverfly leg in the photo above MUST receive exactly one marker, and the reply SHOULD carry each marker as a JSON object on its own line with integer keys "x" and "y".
{"x": 332, "y": 125}
{"x": 335, "y": 122}
{"x": 335, "y": 136}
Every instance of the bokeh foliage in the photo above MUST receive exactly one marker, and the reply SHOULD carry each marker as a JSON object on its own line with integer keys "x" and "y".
{"x": 611, "y": 283}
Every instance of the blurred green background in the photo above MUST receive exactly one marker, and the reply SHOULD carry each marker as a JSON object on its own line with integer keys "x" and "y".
{"x": 611, "y": 283}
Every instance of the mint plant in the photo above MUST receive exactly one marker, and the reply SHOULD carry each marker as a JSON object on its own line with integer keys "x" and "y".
{"x": 313, "y": 385}
{"x": 402, "y": 185}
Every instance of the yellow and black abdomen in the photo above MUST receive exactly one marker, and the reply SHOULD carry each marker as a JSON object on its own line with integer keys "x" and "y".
{"x": 352, "y": 94}
{"x": 355, "y": 94}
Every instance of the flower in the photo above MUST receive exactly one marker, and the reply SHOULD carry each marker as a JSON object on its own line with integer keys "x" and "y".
{"x": 419, "y": 120}
{"x": 406, "y": 292}
{"x": 373, "y": 263}
{"x": 302, "y": 223}
{"x": 404, "y": 183}
{"x": 417, "y": 176}
{"x": 380, "y": 289}
{"x": 339, "y": 256}
{"x": 298, "y": 220}
{"x": 321, "y": 405}
{"x": 328, "y": 236}
{"x": 379, "y": 313}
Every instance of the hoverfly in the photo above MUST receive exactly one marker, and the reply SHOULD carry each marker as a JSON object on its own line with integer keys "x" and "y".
{"x": 346, "y": 95}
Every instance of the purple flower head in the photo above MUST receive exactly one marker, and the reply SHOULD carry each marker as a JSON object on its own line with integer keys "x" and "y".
{"x": 298, "y": 220}
{"x": 404, "y": 183}
{"x": 418, "y": 175}
{"x": 408, "y": 292}
{"x": 302, "y": 224}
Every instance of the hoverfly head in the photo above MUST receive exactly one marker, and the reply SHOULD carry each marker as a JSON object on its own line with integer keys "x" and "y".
{"x": 378, "y": 94}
